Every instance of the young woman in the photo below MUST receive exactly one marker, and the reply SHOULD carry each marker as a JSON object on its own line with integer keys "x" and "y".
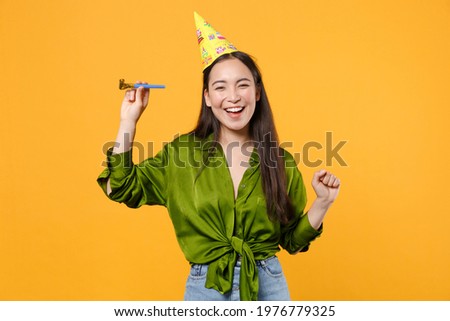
{"x": 233, "y": 195}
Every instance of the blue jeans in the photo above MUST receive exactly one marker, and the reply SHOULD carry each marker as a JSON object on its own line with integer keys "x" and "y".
{"x": 272, "y": 283}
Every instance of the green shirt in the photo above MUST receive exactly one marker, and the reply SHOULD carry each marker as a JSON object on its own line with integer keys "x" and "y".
{"x": 192, "y": 180}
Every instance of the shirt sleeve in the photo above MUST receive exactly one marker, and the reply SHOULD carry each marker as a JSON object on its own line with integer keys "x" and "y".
{"x": 297, "y": 235}
{"x": 135, "y": 185}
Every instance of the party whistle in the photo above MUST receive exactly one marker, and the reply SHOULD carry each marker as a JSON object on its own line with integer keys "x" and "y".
{"x": 123, "y": 85}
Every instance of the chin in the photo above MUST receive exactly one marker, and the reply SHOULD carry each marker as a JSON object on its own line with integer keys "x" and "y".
{"x": 236, "y": 127}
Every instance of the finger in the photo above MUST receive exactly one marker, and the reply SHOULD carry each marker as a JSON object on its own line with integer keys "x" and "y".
{"x": 319, "y": 175}
{"x": 138, "y": 82}
{"x": 142, "y": 94}
{"x": 146, "y": 90}
{"x": 326, "y": 179}
{"x": 332, "y": 180}
{"x": 130, "y": 95}
{"x": 146, "y": 96}
{"x": 337, "y": 183}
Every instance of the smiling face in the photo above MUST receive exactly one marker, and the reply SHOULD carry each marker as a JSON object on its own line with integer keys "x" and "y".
{"x": 232, "y": 95}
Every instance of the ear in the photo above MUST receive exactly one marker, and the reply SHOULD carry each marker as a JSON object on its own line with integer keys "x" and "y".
{"x": 258, "y": 92}
{"x": 207, "y": 99}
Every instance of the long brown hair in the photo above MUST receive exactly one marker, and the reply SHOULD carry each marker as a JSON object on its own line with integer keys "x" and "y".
{"x": 263, "y": 134}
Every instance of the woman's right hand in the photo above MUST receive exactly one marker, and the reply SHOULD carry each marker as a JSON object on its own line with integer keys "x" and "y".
{"x": 134, "y": 104}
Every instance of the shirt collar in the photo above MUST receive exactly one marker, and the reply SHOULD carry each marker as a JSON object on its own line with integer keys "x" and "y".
{"x": 209, "y": 144}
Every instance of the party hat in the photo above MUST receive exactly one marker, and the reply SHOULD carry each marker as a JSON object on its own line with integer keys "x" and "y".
{"x": 212, "y": 44}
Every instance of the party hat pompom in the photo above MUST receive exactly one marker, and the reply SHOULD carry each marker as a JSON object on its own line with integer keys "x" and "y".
{"x": 212, "y": 44}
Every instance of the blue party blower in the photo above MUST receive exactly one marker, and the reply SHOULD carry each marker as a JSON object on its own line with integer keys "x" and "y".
{"x": 123, "y": 85}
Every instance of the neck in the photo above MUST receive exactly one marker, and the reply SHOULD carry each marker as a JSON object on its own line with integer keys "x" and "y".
{"x": 230, "y": 136}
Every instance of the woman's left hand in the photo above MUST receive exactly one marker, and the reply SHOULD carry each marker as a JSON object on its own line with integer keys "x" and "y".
{"x": 326, "y": 186}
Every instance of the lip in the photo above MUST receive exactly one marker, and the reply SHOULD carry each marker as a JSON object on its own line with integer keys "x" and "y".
{"x": 235, "y": 115}
{"x": 234, "y": 107}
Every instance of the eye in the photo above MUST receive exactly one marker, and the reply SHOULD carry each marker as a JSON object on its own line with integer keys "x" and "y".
{"x": 244, "y": 85}
{"x": 219, "y": 88}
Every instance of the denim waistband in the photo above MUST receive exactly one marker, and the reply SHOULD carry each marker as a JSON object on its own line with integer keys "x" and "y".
{"x": 239, "y": 260}
{"x": 258, "y": 262}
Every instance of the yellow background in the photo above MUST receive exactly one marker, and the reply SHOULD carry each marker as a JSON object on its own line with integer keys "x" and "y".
{"x": 374, "y": 73}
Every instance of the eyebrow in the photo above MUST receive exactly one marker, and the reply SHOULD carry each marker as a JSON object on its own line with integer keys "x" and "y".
{"x": 223, "y": 81}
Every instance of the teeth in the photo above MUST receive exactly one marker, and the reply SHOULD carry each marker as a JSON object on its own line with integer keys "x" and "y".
{"x": 234, "y": 109}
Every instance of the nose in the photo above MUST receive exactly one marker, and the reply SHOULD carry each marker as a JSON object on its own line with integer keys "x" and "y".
{"x": 233, "y": 96}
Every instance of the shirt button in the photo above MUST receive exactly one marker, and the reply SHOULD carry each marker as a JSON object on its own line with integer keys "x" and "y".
{"x": 242, "y": 185}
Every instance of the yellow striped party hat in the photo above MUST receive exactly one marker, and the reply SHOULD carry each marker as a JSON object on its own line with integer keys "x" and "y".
{"x": 212, "y": 44}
